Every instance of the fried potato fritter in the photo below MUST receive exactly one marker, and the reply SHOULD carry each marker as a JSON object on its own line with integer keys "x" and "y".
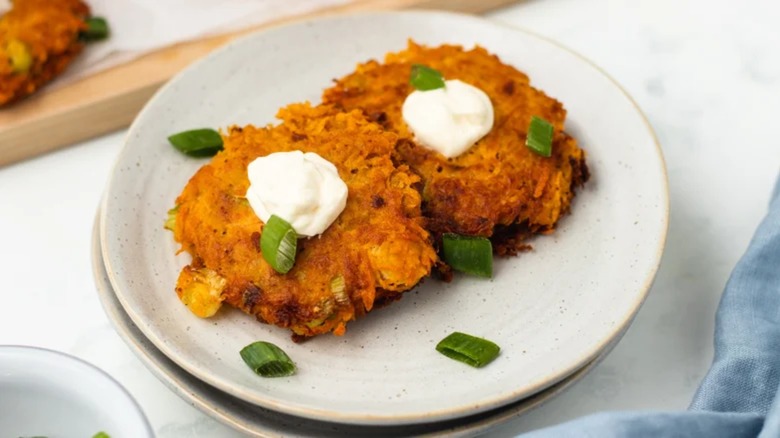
{"x": 499, "y": 188}
{"x": 38, "y": 40}
{"x": 376, "y": 249}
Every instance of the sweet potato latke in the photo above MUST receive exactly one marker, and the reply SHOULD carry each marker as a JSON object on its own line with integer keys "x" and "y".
{"x": 38, "y": 39}
{"x": 376, "y": 249}
{"x": 499, "y": 188}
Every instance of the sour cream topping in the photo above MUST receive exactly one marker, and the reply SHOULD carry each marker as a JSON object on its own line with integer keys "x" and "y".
{"x": 304, "y": 189}
{"x": 449, "y": 120}
{"x": 5, "y": 6}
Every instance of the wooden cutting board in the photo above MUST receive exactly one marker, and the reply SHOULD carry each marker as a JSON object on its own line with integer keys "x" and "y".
{"x": 109, "y": 100}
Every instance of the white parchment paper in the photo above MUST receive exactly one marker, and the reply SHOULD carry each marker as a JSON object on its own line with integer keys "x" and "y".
{"x": 142, "y": 26}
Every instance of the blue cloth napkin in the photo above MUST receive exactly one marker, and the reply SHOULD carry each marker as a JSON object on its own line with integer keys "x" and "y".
{"x": 740, "y": 395}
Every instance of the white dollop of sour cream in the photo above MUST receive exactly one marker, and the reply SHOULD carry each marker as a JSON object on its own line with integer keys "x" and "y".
{"x": 5, "y": 6}
{"x": 304, "y": 189}
{"x": 449, "y": 120}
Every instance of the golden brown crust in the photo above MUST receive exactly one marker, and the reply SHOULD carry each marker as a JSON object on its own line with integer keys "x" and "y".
{"x": 378, "y": 244}
{"x": 49, "y": 31}
{"x": 499, "y": 187}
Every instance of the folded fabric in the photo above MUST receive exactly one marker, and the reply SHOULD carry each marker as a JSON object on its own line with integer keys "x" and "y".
{"x": 740, "y": 395}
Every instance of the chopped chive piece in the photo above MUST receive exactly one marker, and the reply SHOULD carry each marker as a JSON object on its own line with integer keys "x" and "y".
{"x": 468, "y": 349}
{"x": 97, "y": 29}
{"x": 101, "y": 434}
{"x": 267, "y": 360}
{"x": 425, "y": 78}
{"x": 278, "y": 243}
{"x": 469, "y": 254}
{"x": 170, "y": 222}
{"x": 540, "y": 136}
{"x": 197, "y": 142}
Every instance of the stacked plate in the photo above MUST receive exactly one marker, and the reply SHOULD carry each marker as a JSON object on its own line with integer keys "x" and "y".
{"x": 554, "y": 311}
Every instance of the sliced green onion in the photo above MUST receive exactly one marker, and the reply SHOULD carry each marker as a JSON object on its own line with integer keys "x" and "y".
{"x": 278, "y": 244}
{"x": 170, "y": 222}
{"x": 339, "y": 289}
{"x": 425, "y": 78}
{"x": 101, "y": 434}
{"x": 197, "y": 142}
{"x": 540, "y": 136}
{"x": 97, "y": 29}
{"x": 468, "y": 349}
{"x": 470, "y": 254}
{"x": 267, "y": 360}
{"x": 326, "y": 312}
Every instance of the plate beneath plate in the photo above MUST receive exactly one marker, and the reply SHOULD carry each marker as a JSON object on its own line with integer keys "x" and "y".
{"x": 552, "y": 310}
{"x": 261, "y": 422}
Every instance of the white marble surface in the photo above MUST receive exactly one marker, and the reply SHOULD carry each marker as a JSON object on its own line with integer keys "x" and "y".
{"x": 707, "y": 74}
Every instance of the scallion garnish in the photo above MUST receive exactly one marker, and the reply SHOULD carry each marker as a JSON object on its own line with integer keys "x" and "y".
{"x": 339, "y": 288}
{"x": 267, "y": 360}
{"x": 469, "y": 254}
{"x": 170, "y": 221}
{"x": 540, "y": 136}
{"x": 197, "y": 142}
{"x": 97, "y": 29}
{"x": 425, "y": 78}
{"x": 278, "y": 243}
{"x": 468, "y": 349}
{"x": 101, "y": 434}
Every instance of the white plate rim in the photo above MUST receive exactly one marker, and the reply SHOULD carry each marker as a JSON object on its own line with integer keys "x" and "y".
{"x": 330, "y": 415}
{"x": 202, "y": 399}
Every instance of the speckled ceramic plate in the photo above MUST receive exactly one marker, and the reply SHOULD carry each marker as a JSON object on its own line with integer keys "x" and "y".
{"x": 551, "y": 310}
{"x": 261, "y": 422}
